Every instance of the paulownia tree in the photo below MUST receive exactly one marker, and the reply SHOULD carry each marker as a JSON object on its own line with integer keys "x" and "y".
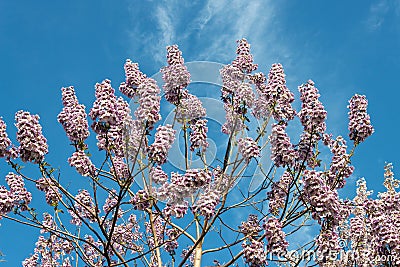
{"x": 186, "y": 217}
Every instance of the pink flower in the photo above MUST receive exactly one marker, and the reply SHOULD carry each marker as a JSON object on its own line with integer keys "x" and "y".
{"x": 82, "y": 163}
{"x": 46, "y": 185}
{"x": 6, "y": 201}
{"x": 254, "y": 253}
{"x": 33, "y": 145}
{"x": 190, "y": 109}
{"x": 83, "y": 207}
{"x": 158, "y": 176}
{"x": 5, "y": 142}
{"x": 248, "y": 148}
{"x": 198, "y": 135}
{"x": 164, "y": 138}
{"x": 274, "y": 98}
{"x": 103, "y": 112}
{"x": 282, "y": 152}
{"x": 148, "y": 111}
{"x": 21, "y": 196}
{"x": 279, "y": 192}
{"x": 312, "y": 114}
{"x": 134, "y": 77}
{"x": 206, "y": 203}
{"x": 276, "y": 237}
{"x": 73, "y": 117}
{"x": 359, "y": 121}
{"x": 244, "y": 59}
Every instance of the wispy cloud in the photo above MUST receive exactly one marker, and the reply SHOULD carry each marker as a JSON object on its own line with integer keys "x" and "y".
{"x": 208, "y": 30}
{"x": 377, "y": 13}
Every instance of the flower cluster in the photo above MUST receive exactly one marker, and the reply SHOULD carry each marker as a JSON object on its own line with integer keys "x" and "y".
{"x": 248, "y": 148}
{"x": 82, "y": 163}
{"x": 327, "y": 244}
{"x": 164, "y": 138}
{"x": 312, "y": 114}
{"x": 111, "y": 203}
{"x": 359, "y": 121}
{"x": 83, "y": 208}
{"x": 51, "y": 191}
{"x": 175, "y": 75}
{"x": 251, "y": 227}
{"x": 323, "y": 200}
{"x": 198, "y": 135}
{"x": 148, "y": 112}
{"x": 52, "y": 251}
{"x": 340, "y": 167}
{"x": 274, "y": 97}
{"x": 103, "y": 113}
{"x": 254, "y": 253}
{"x": 155, "y": 230}
{"x": 6, "y": 201}
{"x": 206, "y": 203}
{"x": 282, "y": 152}
{"x": 244, "y": 59}
{"x": 126, "y": 235}
{"x": 190, "y": 109}
{"x": 279, "y": 192}
{"x": 171, "y": 243}
{"x": 140, "y": 200}
{"x": 33, "y": 145}
{"x": 73, "y": 117}
{"x": 5, "y": 142}
{"x": 133, "y": 77}
{"x": 21, "y": 196}
{"x": 275, "y": 236}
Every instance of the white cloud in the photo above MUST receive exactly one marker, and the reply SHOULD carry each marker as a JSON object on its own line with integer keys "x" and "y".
{"x": 377, "y": 12}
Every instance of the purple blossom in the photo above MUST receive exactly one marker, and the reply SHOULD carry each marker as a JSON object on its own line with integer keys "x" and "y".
{"x": 141, "y": 200}
{"x": 111, "y": 203}
{"x": 251, "y": 227}
{"x": 254, "y": 253}
{"x": 83, "y": 207}
{"x": 323, "y": 200}
{"x": 175, "y": 75}
{"x": 21, "y": 196}
{"x": 327, "y": 245}
{"x": 282, "y": 152}
{"x": 158, "y": 176}
{"x": 103, "y": 112}
{"x": 279, "y": 192}
{"x": 275, "y": 236}
{"x": 6, "y": 201}
{"x": 312, "y": 114}
{"x": 164, "y": 138}
{"x": 244, "y": 59}
{"x": 359, "y": 121}
{"x": 171, "y": 244}
{"x": 274, "y": 98}
{"x": 5, "y": 142}
{"x": 248, "y": 148}
{"x": 340, "y": 167}
{"x": 198, "y": 135}
{"x": 148, "y": 112}
{"x": 133, "y": 77}
{"x": 73, "y": 117}
{"x": 190, "y": 109}
{"x": 159, "y": 228}
{"x": 206, "y": 203}
{"x": 33, "y": 145}
{"x": 46, "y": 185}
{"x": 82, "y": 163}
{"x": 178, "y": 209}
{"x": 120, "y": 169}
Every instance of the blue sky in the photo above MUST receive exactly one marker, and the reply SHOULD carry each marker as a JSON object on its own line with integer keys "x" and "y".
{"x": 346, "y": 47}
